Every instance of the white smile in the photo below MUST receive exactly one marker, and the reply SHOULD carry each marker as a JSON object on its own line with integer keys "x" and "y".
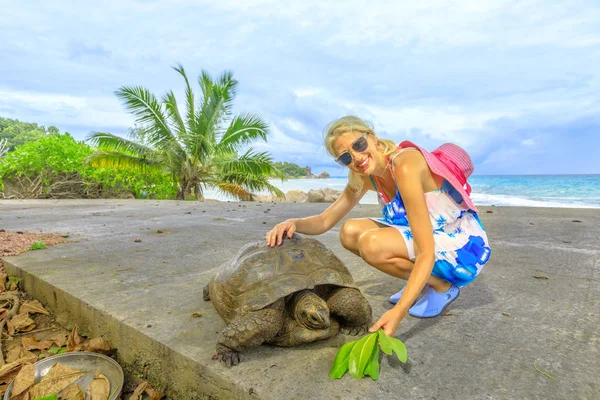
{"x": 364, "y": 163}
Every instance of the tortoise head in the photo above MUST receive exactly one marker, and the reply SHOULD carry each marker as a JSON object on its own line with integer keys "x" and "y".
{"x": 310, "y": 311}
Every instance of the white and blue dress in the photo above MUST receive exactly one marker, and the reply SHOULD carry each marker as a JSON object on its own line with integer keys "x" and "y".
{"x": 461, "y": 244}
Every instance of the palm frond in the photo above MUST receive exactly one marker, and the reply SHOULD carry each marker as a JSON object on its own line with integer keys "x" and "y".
{"x": 235, "y": 191}
{"x": 206, "y": 126}
{"x": 255, "y": 164}
{"x": 108, "y": 141}
{"x": 170, "y": 103}
{"x": 251, "y": 183}
{"x": 243, "y": 130}
{"x": 149, "y": 113}
{"x": 189, "y": 98}
{"x": 103, "y": 159}
{"x": 228, "y": 88}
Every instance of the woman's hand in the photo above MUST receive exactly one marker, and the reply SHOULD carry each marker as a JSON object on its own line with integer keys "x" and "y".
{"x": 389, "y": 321}
{"x": 275, "y": 235}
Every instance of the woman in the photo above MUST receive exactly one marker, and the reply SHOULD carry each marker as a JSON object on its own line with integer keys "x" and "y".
{"x": 429, "y": 233}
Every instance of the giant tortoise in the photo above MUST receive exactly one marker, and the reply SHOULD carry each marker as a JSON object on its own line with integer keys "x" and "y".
{"x": 295, "y": 293}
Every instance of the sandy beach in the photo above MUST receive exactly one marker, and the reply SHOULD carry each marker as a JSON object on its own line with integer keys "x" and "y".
{"x": 536, "y": 302}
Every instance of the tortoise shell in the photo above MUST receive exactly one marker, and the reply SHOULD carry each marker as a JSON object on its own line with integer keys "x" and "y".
{"x": 259, "y": 275}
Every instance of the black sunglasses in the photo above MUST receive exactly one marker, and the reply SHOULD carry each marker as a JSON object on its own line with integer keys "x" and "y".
{"x": 359, "y": 145}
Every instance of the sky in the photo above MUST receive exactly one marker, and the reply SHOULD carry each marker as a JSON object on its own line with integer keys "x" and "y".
{"x": 516, "y": 83}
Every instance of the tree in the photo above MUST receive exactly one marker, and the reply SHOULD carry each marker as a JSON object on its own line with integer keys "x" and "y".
{"x": 17, "y": 133}
{"x": 199, "y": 149}
{"x": 291, "y": 170}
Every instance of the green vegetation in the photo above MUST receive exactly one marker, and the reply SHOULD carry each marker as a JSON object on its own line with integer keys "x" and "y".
{"x": 361, "y": 357}
{"x": 54, "y": 166}
{"x": 17, "y": 133}
{"x": 205, "y": 147}
{"x": 291, "y": 170}
{"x": 37, "y": 246}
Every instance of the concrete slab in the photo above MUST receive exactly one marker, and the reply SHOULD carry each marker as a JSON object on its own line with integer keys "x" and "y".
{"x": 141, "y": 296}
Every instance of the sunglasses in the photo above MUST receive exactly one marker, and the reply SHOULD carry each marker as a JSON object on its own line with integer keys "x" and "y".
{"x": 359, "y": 145}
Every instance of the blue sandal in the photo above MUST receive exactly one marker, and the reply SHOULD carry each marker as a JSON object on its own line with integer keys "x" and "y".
{"x": 434, "y": 303}
{"x": 396, "y": 297}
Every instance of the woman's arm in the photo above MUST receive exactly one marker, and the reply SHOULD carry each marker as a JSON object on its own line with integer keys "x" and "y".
{"x": 316, "y": 224}
{"x": 411, "y": 171}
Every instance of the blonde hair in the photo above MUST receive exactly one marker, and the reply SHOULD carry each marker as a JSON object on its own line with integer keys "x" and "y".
{"x": 350, "y": 124}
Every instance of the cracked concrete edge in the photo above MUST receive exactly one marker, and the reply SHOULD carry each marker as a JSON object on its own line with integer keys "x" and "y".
{"x": 168, "y": 371}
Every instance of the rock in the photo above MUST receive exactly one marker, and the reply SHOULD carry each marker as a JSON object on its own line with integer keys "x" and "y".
{"x": 126, "y": 195}
{"x": 324, "y": 175}
{"x": 326, "y": 195}
{"x": 297, "y": 196}
{"x": 316, "y": 196}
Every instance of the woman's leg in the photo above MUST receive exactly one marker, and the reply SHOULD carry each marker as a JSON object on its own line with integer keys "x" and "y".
{"x": 351, "y": 231}
{"x": 383, "y": 248}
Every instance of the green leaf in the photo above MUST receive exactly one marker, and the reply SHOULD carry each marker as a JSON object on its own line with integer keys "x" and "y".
{"x": 49, "y": 397}
{"x": 389, "y": 344}
{"x": 385, "y": 342}
{"x": 372, "y": 368}
{"x": 53, "y": 350}
{"x": 359, "y": 357}
{"x": 38, "y": 246}
{"x": 340, "y": 364}
{"x": 62, "y": 350}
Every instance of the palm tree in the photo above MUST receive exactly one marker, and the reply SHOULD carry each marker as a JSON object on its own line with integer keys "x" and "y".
{"x": 200, "y": 149}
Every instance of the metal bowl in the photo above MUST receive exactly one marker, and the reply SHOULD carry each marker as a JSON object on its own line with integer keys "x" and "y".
{"x": 84, "y": 361}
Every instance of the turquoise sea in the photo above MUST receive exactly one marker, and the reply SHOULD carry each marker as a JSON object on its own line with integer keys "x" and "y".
{"x": 576, "y": 191}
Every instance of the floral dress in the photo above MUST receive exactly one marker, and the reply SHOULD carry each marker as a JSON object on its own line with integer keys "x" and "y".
{"x": 461, "y": 244}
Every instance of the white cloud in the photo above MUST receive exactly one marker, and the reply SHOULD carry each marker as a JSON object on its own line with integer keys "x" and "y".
{"x": 473, "y": 72}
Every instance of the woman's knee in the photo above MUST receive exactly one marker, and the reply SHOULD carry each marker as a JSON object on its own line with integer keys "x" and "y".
{"x": 349, "y": 234}
{"x": 369, "y": 248}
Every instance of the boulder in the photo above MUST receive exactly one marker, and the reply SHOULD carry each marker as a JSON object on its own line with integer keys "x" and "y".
{"x": 296, "y": 196}
{"x": 326, "y": 195}
{"x": 316, "y": 196}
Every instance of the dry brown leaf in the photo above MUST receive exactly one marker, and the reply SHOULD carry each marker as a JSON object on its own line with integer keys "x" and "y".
{"x": 30, "y": 343}
{"x": 22, "y": 322}
{"x": 74, "y": 340}
{"x": 8, "y": 368}
{"x": 153, "y": 393}
{"x": 8, "y": 378}
{"x": 72, "y": 392}
{"x": 540, "y": 276}
{"x": 14, "y": 285}
{"x": 3, "y": 313}
{"x": 137, "y": 393}
{"x": 99, "y": 389}
{"x": 60, "y": 339}
{"x": 24, "y": 379}
{"x": 59, "y": 370}
{"x": 10, "y": 328}
{"x": 506, "y": 314}
{"x": 17, "y": 351}
{"x": 33, "y": 306}
{"x": 3, "y": 279}
{"x": 22, "y": 396}
{"x": 59, "y": 377}
{"x": 96, "y": 345}
{"x": 196, "y": 314}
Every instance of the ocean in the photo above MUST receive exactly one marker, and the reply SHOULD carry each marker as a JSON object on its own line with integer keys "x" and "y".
{"x": 574, "y": 191}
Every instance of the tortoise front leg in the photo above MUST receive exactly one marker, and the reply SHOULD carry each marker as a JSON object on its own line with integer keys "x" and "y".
{"x": 351, "y": 308}
{"x": 251, "y": 330}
